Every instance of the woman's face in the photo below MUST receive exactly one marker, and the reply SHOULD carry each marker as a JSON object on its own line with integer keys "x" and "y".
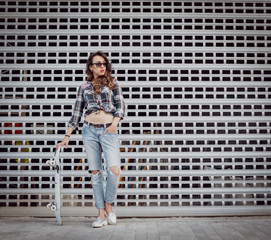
{"x": 97, "y": 68}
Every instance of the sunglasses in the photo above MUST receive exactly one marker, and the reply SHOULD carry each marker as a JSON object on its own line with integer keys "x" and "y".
{"x": 100, "y": 64}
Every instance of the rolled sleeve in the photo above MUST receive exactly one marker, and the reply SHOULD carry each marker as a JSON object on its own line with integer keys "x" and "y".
{"x": 77, "y": 110}
{"x": 119, "y": 101}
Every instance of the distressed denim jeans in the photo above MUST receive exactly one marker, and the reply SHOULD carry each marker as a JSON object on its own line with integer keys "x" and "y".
{"x": 94, "y": 141}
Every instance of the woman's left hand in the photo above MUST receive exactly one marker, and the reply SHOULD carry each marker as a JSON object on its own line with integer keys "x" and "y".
{"x": 112, "y": 129}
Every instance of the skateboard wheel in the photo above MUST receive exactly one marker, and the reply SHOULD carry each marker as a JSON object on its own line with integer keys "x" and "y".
{"x": 53, "y": 208}
{"x": 51, "y": 163}
{"x": 49, "y": 205}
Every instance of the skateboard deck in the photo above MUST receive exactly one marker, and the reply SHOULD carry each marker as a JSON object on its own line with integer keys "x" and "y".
{"x": 56, "y": 206}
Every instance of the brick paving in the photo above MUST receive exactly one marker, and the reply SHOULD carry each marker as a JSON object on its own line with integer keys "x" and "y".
{"x": 177, "y": 228}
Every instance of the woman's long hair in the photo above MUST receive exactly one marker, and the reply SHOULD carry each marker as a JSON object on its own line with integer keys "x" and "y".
{"x": 106, "y": 79}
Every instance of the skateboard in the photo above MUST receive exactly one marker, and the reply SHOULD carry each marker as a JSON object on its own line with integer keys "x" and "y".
{"x": 56, "y": 206}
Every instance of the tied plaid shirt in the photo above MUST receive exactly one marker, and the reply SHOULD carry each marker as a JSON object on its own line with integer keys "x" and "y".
{"x": 111, "y": 101}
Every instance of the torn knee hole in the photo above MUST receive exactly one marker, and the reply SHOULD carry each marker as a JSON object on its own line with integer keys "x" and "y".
{"x": 95, "y": 177}
{"x": 115, "y": 170}
{"x": 93, "y": 172}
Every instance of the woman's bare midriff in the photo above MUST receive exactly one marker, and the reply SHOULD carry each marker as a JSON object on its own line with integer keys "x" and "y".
{"x": 100, "y": 117}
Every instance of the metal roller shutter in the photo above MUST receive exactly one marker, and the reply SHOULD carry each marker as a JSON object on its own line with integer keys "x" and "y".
{"x": 196, "y": 80}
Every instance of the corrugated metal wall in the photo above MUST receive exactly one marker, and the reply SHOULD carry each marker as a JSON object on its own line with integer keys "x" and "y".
{"x": 196, "y": 80}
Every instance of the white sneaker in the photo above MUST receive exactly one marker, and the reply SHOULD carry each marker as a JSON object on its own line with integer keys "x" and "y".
{"x": 112, "y": 218}
{"x": 99, "y": 223}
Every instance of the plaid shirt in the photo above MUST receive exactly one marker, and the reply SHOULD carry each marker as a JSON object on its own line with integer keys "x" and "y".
{"x": 111, "y": 101}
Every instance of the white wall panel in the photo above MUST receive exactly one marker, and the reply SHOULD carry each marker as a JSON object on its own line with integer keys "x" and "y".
{"x": 196, "y": 80}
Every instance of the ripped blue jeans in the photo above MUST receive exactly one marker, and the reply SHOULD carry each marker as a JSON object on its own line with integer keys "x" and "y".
{"x": 94, "y": 141}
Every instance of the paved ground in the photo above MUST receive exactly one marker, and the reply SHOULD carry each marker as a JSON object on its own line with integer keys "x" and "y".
{"x": 216, "y": 228}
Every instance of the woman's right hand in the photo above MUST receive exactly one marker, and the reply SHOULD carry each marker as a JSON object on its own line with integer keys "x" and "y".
{"x": 65, "y": 141}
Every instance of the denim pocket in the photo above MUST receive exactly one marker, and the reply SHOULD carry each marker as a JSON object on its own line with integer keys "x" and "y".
{"x": 84, "y": 129}
{"x": 113, "y": 134}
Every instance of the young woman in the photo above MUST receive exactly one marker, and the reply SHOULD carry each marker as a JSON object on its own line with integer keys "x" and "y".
{"x": 102, "y": 98}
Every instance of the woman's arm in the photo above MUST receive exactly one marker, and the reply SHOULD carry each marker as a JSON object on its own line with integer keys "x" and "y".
{"x": 120, "y": 108}
{"x": 77, "y": 110}
{"x": 66, "y": 139}
{"x": 118, "y": 101}
{"x": 75, "y": 119}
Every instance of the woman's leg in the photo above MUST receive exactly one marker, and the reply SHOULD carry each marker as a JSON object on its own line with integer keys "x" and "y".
{"x": 93, "y": 151}
{"x": 112, "y": 184}
{"x": 111, "y": 150}
{"x": 98, "y": 190}
{"x": 114, "y": 174}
